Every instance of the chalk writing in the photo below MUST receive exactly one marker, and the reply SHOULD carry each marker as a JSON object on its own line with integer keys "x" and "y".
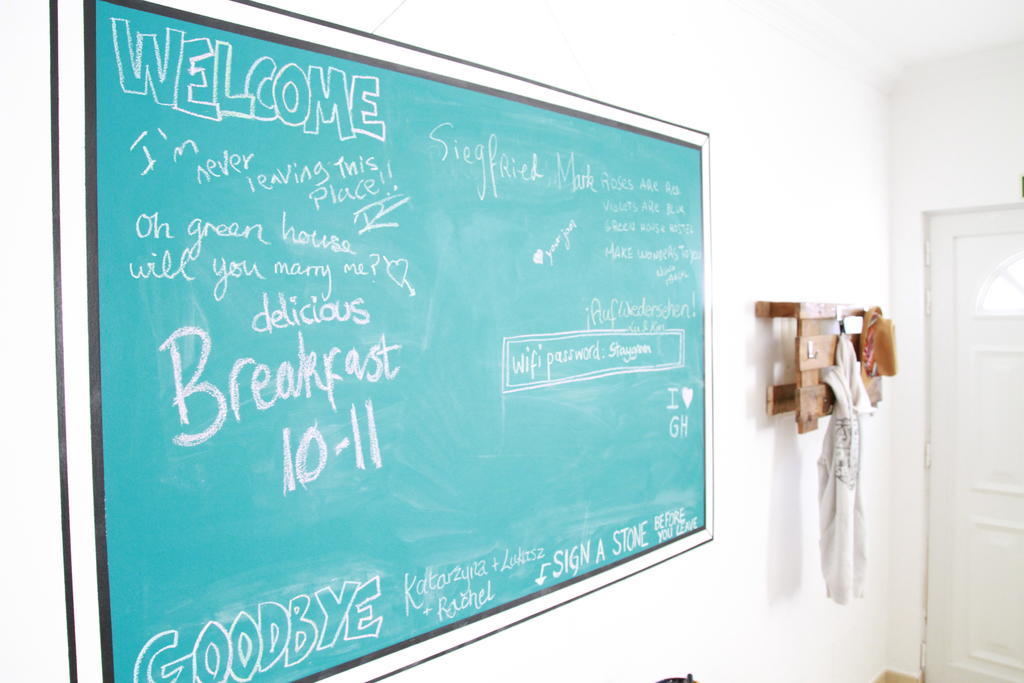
{"x": 227, "y": 270}
{"x": 297, "y": 469}
{"x": 280, "y": 634}
{"x": 569, "y": 178}
{"x": 292, "y": 173}
{"x": 615, "y": 311}
{"x": 372, "y": 213}
{"x": 230, "y": 163}
{"x": 448, "y": 593}
{"x": 630, "y": 538}
{"x": 314, "y": 238}
{"x": 302, "y": 270}
{"x": 514, "y": 559}
{"x": 672, "y": 523}
{"x": 562, "y": 240}
{"x": 297, "y": 310}
{"x": 150, "y": 161}
{"x": 570, "y": 561}
{"x": 536, "y": 361}
{"x": 196, "y": 76}
{"x": 679, "y": 425}
{"x": 616, "y": 183}
{"x": 312, "y": 372}
{"x": 163, "y": 267}
{"x": 492, "y": 164}
{"x": 398, "y": 272}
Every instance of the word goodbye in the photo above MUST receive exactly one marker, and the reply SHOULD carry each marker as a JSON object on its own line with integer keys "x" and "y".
{"x": 276, "y": 635}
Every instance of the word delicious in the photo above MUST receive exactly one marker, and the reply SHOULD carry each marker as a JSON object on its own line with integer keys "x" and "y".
{"x": 313, "y": 371}
{"x": 196, "y": 76}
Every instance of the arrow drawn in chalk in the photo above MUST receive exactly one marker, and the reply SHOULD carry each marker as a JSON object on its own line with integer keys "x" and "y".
{"x": 374, "y": 211}
{"x": 542, "y": 578}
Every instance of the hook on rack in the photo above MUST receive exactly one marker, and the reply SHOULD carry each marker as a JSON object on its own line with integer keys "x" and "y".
{"x": 817, "y": 330}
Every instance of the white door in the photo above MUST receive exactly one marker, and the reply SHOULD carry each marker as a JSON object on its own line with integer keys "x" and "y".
{"x": 976, "y": 504}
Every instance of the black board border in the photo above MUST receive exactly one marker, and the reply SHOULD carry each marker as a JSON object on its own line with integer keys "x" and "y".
{"x": 457, "y": 60}
{"x": 95, "y": 376}
{"x": 89, "y": 43}
{"x": 58, "y": 327}
{"x": 268, "y": 36}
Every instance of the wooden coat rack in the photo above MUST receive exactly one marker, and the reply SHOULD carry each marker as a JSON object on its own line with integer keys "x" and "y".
{"x": 817, "y": 335}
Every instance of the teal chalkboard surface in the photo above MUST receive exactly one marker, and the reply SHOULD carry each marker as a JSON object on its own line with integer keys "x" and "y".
{"x": 379, "y": 353}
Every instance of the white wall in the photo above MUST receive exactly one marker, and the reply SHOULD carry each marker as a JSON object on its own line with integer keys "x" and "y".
{"x": 799, "y": 211}
{"x": 33, "y": 637}
{"x": 956, "y": 144}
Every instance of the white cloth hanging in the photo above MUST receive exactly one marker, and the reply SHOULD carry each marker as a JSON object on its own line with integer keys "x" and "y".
{"x": 843, "y": 556}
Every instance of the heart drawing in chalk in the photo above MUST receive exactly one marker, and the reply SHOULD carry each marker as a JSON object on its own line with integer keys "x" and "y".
{"x": 687, "y": 396}
{"x": 398, "y": 270}
{"x": 538, "y": 257}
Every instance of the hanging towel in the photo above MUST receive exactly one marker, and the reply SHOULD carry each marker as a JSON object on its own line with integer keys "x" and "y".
{"x": 843, "y": 557}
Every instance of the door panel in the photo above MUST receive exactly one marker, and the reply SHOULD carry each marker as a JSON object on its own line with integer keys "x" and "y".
{"x": 976, "y": 510}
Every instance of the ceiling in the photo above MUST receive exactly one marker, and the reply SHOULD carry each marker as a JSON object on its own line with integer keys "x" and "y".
{"x": 879, "y": 38}
{"x": 915, "y": 31}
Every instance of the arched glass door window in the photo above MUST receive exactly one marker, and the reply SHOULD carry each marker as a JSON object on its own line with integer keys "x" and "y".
{"x": 1003, "y": 291}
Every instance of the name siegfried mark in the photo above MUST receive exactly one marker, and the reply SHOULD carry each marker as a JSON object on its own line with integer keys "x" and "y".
{"x": 196, "y": 76}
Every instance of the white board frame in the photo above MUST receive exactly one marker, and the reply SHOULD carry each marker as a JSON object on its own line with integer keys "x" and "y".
{"x": 70, "y": 130}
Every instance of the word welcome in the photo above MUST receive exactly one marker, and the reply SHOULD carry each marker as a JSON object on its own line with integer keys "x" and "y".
{"x": 196, "y": 76}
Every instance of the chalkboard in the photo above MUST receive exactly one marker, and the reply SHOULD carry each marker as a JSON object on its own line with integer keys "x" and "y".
{"x": 388, "y": 351}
